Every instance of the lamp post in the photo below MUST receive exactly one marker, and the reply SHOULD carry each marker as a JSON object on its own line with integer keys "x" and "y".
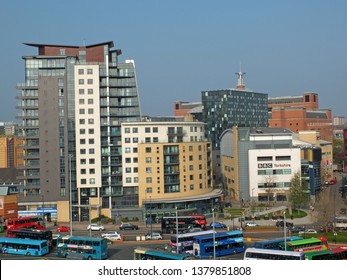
{"x": 43, "y": 211}
{"x": 285, "y": 230}
{"x": 214, "y": 235}
{"x": 70, "y": 193}
{"x": 150, "y": 213}
{"x": 177, "y": 230}
{"x": 90, "y": 220}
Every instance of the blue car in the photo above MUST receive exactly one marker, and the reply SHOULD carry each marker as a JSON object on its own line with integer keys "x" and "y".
{"x": 218, "y": 225}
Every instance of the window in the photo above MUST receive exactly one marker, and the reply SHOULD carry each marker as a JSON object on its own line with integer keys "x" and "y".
{"x": 149, "y": 180}
{"x": 89, "y": 71}
{"x": 269, "y": 158}
{"x": 127, "y": 150}
{"x": 91, "y": 151}
{"x": 81, "y": 91}
{"x": 90, "y": 101}
{"x": 81, "y": 101}
{"x": 91, "y": 161}
{"x": 82, "y": 111}
{"x": 135, "y": 140}
{"x": 90, "y": 121}
{"x": 81, "y": 82}
{"x": 82, "y": 151}
{"x": 80, "y": 71}
{"x": 91, "y": 130}
{"x": 83, "y": 181}
{"x": 128, "y": 179}
{"x": 147, "y": 130}
{"x": 90, "y": 91}
{"x": 155, "y": 140}
{"x": 91, "y": 171}
{"x": 83, "y": 171}
{"x": 82, "y": 141}
{"x": 82, "y": 121}
{"x": 90, "y": 111}
{"x": 91, "y": 141}
{"x": 83, "y": 161}
{"x": 148, "y": 150}
{"x": 82, "y": 131}
{"x": 127, "y": 170}
{"x": 135, "y": 130}
{"x": 90, "y": 81}
{"x": 127, "y": 140}
{"x": 148, "y": 140}
{"x": 148, "y": 169}
{"x": 92, "y": 181}
{"x": 148, "y": 159}
{"x": 279, "y": 158}
{"x": 127, "y": 130}
{"x": 155, "y": 129}
{"x": 127, "y": 160}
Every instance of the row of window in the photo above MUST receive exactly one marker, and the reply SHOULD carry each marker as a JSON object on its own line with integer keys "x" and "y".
{"x": 277, "y": 158}
{"x": 274, "y": 172}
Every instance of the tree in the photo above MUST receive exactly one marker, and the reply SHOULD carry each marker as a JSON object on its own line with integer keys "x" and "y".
{"x": 270, "y": 187}
{"x": 298, "y": 191}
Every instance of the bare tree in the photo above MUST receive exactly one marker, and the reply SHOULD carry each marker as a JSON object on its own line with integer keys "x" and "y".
{"x": 270, "y": 186}
{"x": 324, "y": 209}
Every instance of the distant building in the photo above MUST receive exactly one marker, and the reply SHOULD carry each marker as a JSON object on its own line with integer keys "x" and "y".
{"x": 300, "y": 113}
{"x": 189, "y": 110}
{"x": 11, "y": 152}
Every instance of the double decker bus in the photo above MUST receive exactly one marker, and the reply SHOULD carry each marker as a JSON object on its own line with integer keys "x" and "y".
{"x": 154, "y": 254}
{"x": 87, "y": 248}
{"x": 274, "y": 244}
{"x": 24, "y": 222}
{"x": 270, "y": 254}
{"x": 186, "y": 240}
{"x": 31, "y": 233}
{"x": 306, "y": 245}
{"x": 22, "y": 246}
{"x": 169, "y": 223}
{"x": 337, "y": 253}
{"x": 220, "y": 244}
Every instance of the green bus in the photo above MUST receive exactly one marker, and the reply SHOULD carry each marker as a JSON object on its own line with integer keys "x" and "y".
{"x": 306, "y": 245}
{"x": 338, "y": 253}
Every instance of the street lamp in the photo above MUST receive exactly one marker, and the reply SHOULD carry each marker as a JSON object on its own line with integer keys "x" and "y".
{"x": 285, "y": 230}
{"x": 150, "y": 213}
{"x": 176, "y": 230}
{"x": 43, "y": 211}
{"x": 214, "y": 235}
{"x": 70, "y": 193}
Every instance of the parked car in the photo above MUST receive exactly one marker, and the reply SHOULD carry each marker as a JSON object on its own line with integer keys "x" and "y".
{"x": 95, "y": 227}
{"x": 63, "y": 229}
{"x": 251, "y": 224}
{"x": 296, "y": 229}
{"x": 311, "y": 230}
{"x": 153, "y": 236}
{"x": 128, "y": 226}
{"x": 281, "y": 224}
{"x": 333, "y": 181}
{"x": 218, "y": 225}
{"x": 111, "y": 235}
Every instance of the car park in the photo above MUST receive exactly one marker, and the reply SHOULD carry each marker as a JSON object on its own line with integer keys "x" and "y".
{"x": 218, "y": 225}
{"x": 153, "y": 236}
{"x": 95, "y": 227}
{"x": 128, "y": 226}
{"x": 112, "y": 235}
{"x": 63, "y": 229}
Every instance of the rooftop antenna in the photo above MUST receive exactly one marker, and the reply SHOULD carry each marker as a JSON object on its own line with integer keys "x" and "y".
{"x": 240, "y": 74}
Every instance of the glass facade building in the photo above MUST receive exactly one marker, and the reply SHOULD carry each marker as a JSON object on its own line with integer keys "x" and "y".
{"x": 223, "y": 109}
{"x": 72, "y": 104}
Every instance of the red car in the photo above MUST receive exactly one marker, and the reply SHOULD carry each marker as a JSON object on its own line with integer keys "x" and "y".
{"x": 63, "y": 229}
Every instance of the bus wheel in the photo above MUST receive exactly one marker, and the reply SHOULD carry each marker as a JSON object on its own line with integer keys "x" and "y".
{"x": 28, "y": 254}
{"x": 90, "y": 258}
{"x": 235, "y": 252}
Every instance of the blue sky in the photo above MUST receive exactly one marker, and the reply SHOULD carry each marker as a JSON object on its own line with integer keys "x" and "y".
{"x": 183, "y": 47}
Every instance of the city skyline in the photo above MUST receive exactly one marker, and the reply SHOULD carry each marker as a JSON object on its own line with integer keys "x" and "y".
{"x": 182, "y": 48}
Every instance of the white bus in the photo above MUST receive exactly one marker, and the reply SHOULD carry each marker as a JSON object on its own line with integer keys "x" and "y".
{"x": 341, "y": 223}
{"x": 268, "y": 254}
{"x": 186, "y": 240}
